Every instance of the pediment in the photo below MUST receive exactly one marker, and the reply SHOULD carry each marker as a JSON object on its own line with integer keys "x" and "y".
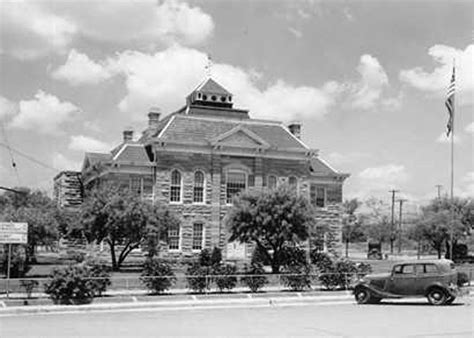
{"x": 240, "y": 137}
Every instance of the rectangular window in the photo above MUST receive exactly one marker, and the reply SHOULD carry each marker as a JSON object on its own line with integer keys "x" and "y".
{"x": 320, "y": 197}
{"x": 236, "y": 182}
{"x": 173, "y": 237}
{"x": 136, "y": 185}
{"x": 197, "y": 236}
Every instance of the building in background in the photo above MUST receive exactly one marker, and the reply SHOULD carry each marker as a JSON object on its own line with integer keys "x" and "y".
{"x": 197, "y": 158}
{"x": 68, "y": 190}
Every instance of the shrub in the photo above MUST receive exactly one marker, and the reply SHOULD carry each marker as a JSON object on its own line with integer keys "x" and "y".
{"x": 71, "y": 285}
{"x": 198, "y": 278}
{"x": 157, "y": 276}
{"x": 292, "y": 256}
{"x": 205, "y": 258}
{"x": 297, "y": 278}
{"x": 216, "y": 256}
{"x": 100, "y": 274}
{"x": 226, "y": 277}
{"x": 322, "y": 261}
{"x": 463, "y": 278}
{"x": 254, "y": 277}
{"x": 339, "y": 274}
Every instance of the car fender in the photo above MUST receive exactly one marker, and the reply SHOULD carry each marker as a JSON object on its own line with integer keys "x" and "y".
{"x": 376, "y": 292}
{"x": 441, "y": 286}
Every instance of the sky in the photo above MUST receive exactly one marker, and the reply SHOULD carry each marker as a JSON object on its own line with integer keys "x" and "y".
{"x": 366, "y": 79}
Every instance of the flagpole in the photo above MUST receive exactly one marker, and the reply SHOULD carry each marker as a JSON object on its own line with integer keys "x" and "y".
{"x": 451, "y": 230}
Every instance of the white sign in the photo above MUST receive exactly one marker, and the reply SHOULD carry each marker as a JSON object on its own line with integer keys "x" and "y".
{"x": 13, "y": 233}
{"x": 236, "y": 250}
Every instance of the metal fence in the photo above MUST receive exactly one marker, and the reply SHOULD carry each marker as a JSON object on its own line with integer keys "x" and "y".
{"x": 180, "y": 284}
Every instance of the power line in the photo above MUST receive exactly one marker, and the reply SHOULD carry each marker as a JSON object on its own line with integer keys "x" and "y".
{"x": 28, "y": 157}
{"x": 7, "y": 145}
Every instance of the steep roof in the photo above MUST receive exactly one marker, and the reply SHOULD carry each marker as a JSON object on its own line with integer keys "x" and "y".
{"x": 130, "y": 152}
{"x": 211, "y": 86}
{"x": 202, "y": 130}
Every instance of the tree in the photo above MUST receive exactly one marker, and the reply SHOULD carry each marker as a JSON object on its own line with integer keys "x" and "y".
{"x": 351, "y": 228}
{"x": 272, "y": 220}
{"x": 122, "y": 220}
{"x": 375, "y": 223}
{"x": 441, "y": 216}
{"x": 36, "y": 209}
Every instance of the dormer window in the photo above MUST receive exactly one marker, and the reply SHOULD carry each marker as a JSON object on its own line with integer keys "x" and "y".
{"x": 214, "y": 98}
{"x": 199, "y": 95}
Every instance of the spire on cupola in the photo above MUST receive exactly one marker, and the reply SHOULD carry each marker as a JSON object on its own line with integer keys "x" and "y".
{"x": 209, "y": 92}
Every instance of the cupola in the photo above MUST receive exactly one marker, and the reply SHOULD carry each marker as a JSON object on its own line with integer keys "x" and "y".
{"x": 210, "y": 93}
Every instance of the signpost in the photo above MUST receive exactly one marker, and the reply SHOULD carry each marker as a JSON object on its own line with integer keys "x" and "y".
{"x": 12, "y": 233}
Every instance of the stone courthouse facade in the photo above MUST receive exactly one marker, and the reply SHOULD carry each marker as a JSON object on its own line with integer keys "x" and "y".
{"x": 197, "y": 158}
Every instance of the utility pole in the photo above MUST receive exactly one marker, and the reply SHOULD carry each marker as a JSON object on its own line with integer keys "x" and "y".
{"x": 439, "y": 186}
{"x": 401, "y": 200}
{"x": 392, "y": 226}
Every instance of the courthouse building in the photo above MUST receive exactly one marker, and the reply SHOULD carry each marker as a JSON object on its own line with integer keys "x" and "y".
{"x": 197, "y": 158}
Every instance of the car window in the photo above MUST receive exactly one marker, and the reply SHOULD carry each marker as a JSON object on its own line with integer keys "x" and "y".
{"x": 404, "y": 269}
{"x": 430, "y": 268}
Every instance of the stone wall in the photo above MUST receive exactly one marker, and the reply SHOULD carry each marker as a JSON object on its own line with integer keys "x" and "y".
{"x": 214, "y": 209}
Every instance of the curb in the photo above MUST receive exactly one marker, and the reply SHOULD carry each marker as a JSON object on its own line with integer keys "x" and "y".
{"x": 170, "y": 304}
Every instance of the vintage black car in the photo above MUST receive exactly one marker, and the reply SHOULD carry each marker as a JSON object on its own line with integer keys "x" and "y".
{"x": 437, "y": 280}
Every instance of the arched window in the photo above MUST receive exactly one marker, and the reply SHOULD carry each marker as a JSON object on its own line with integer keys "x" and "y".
{"x": 236, "y": 181}
{"x": 175, "y": 188}
{"x": 198, "y": 193}
{"x": 272, "y": 182}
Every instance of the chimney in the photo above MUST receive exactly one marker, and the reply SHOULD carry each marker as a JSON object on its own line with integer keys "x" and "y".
{"x": 295, "y": 129}
{"x": 127, "y": 135}
{"x": 154, "y": 117}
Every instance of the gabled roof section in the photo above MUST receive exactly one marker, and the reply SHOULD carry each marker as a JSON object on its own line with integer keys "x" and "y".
{"x": 194, "y": 129}
{"x": 240, "y": 136}
{"x": 318, "y": 167}
{"x": 91, "y": 159}
{"x": 130, "y": 152}
{"x": 211, "y": 86}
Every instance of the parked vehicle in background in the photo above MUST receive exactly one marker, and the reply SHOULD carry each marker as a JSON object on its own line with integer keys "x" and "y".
{"x": 437, "y": 280}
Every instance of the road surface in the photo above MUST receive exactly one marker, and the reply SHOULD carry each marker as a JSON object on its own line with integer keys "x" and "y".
{"x": 322, "y": 319}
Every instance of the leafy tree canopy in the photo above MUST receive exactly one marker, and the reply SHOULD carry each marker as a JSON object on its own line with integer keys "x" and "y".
{"x": 272, "y": 220}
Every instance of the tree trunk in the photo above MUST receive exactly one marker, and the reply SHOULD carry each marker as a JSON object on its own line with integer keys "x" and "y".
{"x": 347, "y": 248}
{"x": 439, "y": 252}
{"x": 112, "y": 256}
{"x": 275, "y": 267}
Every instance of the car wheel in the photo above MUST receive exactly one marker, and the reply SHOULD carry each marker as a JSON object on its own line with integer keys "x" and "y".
{"x": 436, "y": 296}
{"x": 362, "y": 296}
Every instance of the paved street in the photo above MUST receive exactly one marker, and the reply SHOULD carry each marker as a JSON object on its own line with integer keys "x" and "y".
{"x": 324, "y": 319}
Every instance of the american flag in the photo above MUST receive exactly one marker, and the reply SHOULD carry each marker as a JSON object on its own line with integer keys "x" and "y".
{"x": 450, "y": 103}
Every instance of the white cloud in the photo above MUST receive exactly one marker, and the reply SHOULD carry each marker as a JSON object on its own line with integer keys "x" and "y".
{"x": 443, "y": 138}
{"x": 470, "y": 128}
{"x": 61, "y": 162}
{"x": 7, "y": 108}
{"x": 34, "y": 29}
{"x": 45, "y": 113}
{"x": 365, "y": 93}
{"x": 29, "y": 31}
{"x": 164, "y": 78}
{"x": 296, "y": 32}
{"x": 467, "y": 189}
{"x": 79, "y": 70}
{"x": 336, "y": 158}
{"x": 378, "y": 180}
{"x": 88, "y": 144}
{"x": 437, "y": 81}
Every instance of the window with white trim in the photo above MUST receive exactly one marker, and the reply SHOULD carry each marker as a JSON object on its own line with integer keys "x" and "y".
{"x": 198, "y": 192}
{"x": 175, "y": 187}
{"x": 198, "y": 235}
{"x": 272, "y": 182}
{"x": 236, "y": 181}
{"x": 173, "y": 237}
